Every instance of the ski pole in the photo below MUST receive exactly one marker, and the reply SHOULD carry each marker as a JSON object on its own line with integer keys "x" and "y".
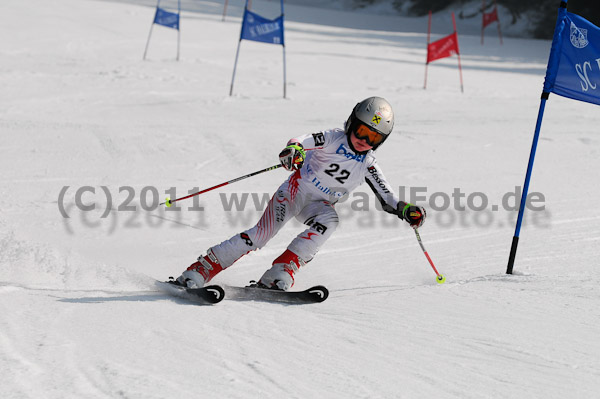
{"x": 440, "y": 278}
{"x": 170, "y": 202}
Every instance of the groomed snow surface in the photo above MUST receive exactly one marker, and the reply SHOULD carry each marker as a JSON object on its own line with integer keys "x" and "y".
{"x": 80, "y": 316}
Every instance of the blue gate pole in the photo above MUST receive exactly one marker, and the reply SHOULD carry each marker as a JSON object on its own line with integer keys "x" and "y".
{"x": 283, "y": 37}
{"x": 150, "y": 34}
{"x": 515, "y": 241}
{"x": 178, "y": 27}
{"x": 237, "y": 53}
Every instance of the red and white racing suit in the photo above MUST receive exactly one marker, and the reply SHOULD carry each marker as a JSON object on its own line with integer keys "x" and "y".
{"x": 331, "y": 171}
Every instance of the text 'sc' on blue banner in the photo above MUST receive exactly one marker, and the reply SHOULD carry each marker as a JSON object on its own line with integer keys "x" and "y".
{"x": 574, "y": 65}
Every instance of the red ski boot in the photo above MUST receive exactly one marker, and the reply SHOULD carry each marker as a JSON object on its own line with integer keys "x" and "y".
{"x": 281, "y": 275}
{"x": 201, "y": 272}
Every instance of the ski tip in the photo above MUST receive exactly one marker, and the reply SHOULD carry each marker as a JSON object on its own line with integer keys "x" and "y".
{"x": 213, "y": 293}
{"x": 208, "y": 294}
{"x": 319, "y": 293}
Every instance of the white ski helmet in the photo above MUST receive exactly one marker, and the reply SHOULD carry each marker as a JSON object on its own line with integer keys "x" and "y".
{"x": 375, "y": 113}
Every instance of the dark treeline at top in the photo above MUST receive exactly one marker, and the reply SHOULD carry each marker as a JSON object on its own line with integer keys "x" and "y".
{"x": 542, "y": 12}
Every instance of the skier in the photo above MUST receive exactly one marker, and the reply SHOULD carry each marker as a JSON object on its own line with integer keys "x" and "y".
{"x": 326, "y": 166}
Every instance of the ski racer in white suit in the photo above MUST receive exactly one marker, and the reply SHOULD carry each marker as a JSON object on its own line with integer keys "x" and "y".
{"x": 326, "y": 166}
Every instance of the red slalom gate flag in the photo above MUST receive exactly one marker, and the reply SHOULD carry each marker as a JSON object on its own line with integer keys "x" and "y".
{"x": 490, "y": 17}
{"x": 442, "y": 48}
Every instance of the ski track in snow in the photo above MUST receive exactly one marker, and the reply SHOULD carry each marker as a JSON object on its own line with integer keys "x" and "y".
{"x": 80, "y": 315}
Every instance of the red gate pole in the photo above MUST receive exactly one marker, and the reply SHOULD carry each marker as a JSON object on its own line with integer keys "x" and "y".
{"x": 224, "y": 10}
{"x": 427, "y": 59}
{"x": 458, "y": 54}
{"x": 498, "y": 22}
{"x": 482, "y": 19}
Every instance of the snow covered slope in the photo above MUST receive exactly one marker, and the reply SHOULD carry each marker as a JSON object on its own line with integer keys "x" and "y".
{"x": 81, "y": 115}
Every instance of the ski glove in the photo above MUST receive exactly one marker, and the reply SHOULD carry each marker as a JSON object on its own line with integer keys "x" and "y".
{"x": 292, "y": 156}
{"x": 412, "y": 214}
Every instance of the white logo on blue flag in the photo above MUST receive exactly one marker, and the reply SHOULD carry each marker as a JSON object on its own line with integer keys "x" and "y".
{"x": 578, "y": 36}
{"x": 259, "y": 29}
{"x": 574, "y": 64}
{"x": 166, "y": 18}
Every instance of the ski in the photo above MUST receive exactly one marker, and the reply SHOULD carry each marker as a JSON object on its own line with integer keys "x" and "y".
{"x": 210, "y": 294}
{"x": 315, "y": 294}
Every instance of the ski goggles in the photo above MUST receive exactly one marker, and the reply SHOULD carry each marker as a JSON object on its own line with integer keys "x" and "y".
{"x": 363, "y": 132}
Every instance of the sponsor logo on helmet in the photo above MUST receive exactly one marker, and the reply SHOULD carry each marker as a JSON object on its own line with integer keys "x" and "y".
{"x": 377, "y": 117}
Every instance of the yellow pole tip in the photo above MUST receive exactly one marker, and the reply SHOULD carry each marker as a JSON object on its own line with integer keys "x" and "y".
{"x": 168, "y": 202}
{"x": 441, "y": 279}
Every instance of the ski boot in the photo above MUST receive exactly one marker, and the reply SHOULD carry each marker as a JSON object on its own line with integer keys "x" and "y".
{"x": 281, "y": 275}
{"x": 200, "y": 272}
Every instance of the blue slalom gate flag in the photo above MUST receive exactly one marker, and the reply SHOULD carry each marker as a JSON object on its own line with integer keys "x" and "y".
{"x": 260, "y": 29}
{"x": 166, "y": 18}
{"x": 573, "y": 72}
{"x": 574, "y": 64}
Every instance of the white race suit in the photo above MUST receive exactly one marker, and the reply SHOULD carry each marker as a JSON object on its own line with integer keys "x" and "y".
{"x": 331, "y": 171}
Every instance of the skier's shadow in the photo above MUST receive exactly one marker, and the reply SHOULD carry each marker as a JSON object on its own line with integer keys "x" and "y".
{"x": 133, "y": 298}
{"x": 375, "y": 289}
{"x": 250, "y": 298}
